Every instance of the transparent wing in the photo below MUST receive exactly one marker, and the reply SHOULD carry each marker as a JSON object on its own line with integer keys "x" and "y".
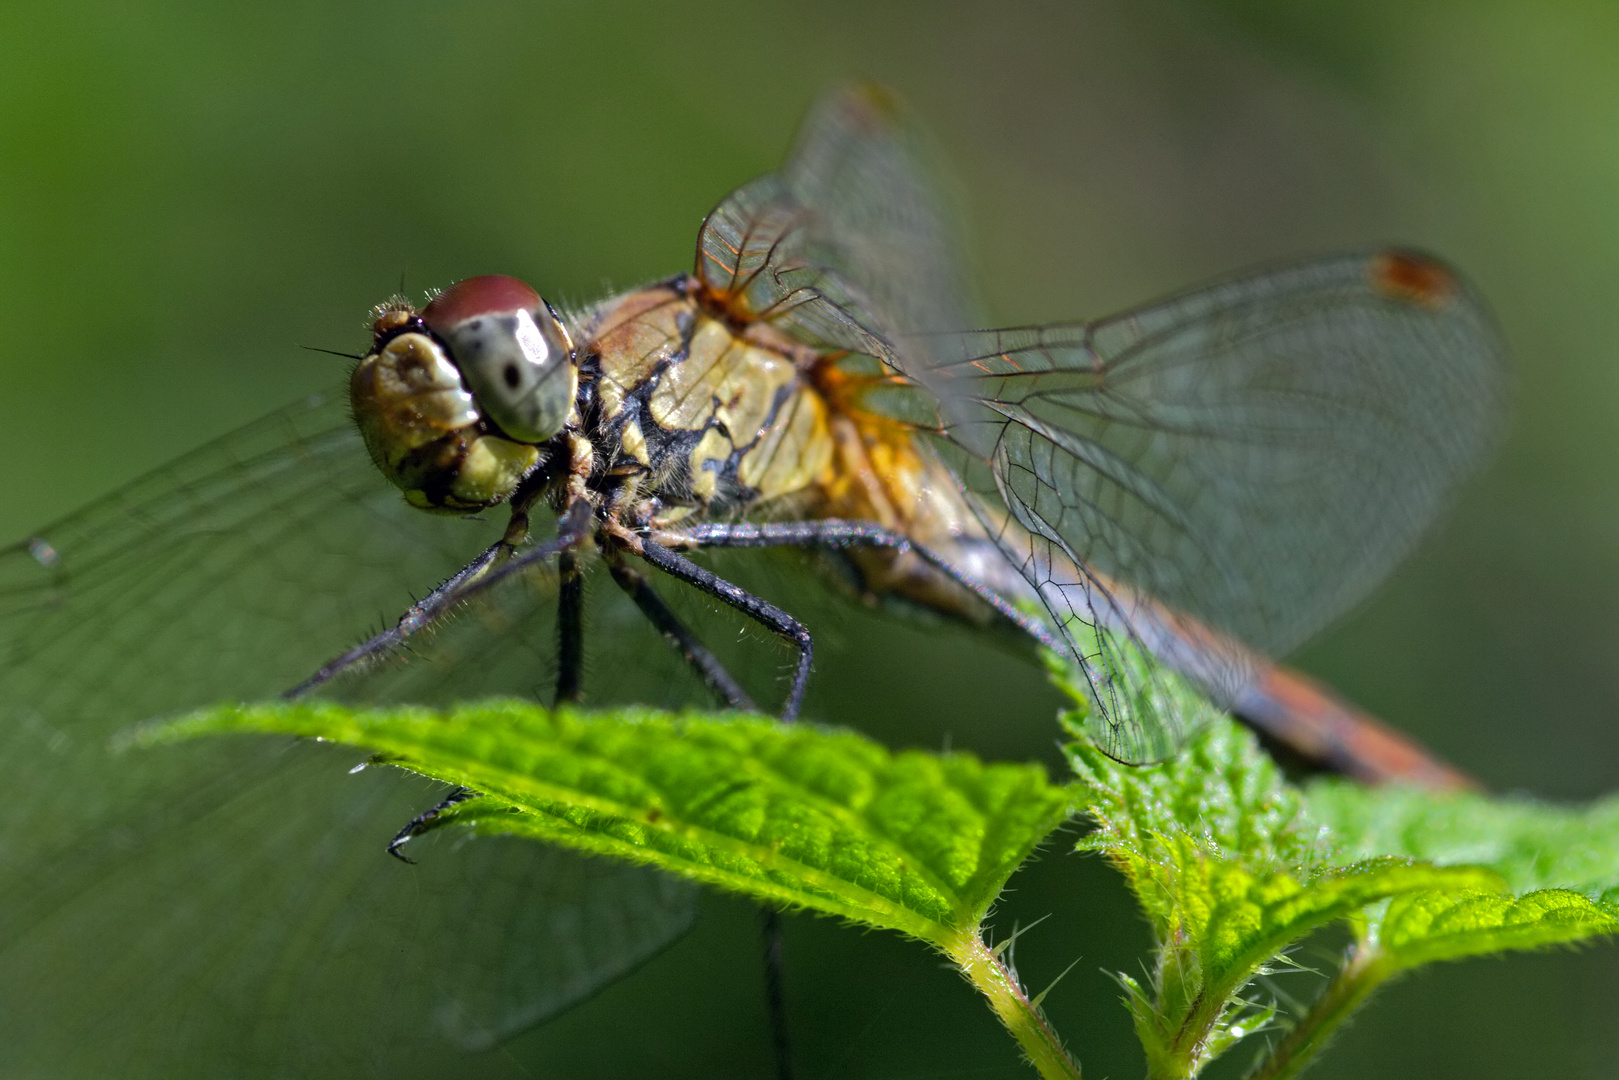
{"x": 877, "y": 218}
{"x": 847, "y": 245}
{"x": 1244, "y": 461}
{"x": 227, "y": 907}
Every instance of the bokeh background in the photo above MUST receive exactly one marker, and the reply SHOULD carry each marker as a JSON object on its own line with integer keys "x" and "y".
{"x": 190, "y": 192}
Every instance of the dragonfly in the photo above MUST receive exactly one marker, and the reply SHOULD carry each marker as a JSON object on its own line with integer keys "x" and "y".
{"x": 1204, "y": 481}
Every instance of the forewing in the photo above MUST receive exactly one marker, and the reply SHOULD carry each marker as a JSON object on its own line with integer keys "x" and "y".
{"x": 847, "y": 246}
{"x": 1255, "y": 455}
{"x": 878, "y": 219}
{"x": 227, "y": 906}
{"x": 1239, "y": 464}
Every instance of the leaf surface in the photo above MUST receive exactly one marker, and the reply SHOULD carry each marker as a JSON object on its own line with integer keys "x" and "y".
{"x": 790, "y": 814}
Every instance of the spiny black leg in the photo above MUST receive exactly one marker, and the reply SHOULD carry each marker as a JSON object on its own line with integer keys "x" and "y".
{"x": 761, "y": 611}
{"x": 835, "y": 533}
{"x": 426, "y": 822}
{"x": 790, "y": 628}
{"x": 479, "y": 574}
{"x": 420, "y": 614}
{"x": 775, "y": 992}
{"x": 573, "y": 529}
{"x": 705, "y": 663}
{"x": 570, "y": 627}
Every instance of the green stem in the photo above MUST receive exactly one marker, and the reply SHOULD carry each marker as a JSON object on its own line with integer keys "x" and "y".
{"x": 1365, "y": 972}
{"x": 1188, "y": 1051}
{"x": 984, "y": 970}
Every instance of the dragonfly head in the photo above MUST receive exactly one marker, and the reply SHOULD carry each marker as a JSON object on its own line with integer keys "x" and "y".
{"x": 513, "y": 353}
{"x": 452, "y": 400}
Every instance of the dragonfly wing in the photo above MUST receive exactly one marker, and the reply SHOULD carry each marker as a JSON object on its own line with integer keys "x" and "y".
{"x": 848, "y": 244}
{"x": 1238, "y": 464}
{"x": 1241, "y": 463}
{"x": 227, "y": 906}
{"x": 1255, "y": 455}
{"x": 877, "y": 216}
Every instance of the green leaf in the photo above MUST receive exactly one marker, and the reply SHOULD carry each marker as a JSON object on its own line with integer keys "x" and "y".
{"x": 1531, "y": 844}
{"x": 1424, "y": 927}
{"x": 1222, "y": 790}
{"x": 1230, "y": 869}
{"x": 1232, "y": 864}
{"x": 1562, "y": 863}
{"x": 790, "y": 814}
{"x": 1439, "y": 926}
{"x": 1151, "y": 709}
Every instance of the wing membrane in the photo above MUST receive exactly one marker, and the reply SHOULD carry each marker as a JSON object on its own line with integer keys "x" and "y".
{"x": 877, "y": 219}
{"x": 1256, "y": 454}
{"x": 232, "y": 898}
{"x": 1241, "y": 462}
{"x": 847, "y": 245}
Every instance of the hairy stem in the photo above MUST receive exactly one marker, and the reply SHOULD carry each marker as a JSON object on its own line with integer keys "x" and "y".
{"x": 984, "y": 970}
{"x": 1366, "y": 971}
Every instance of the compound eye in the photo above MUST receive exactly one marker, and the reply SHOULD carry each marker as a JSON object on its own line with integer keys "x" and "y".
{"x": 513, "y": 353}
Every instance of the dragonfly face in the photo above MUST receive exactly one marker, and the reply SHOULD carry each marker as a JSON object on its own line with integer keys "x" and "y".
{"x": 1199, "y": 482}
{"x": 451, "y": 401}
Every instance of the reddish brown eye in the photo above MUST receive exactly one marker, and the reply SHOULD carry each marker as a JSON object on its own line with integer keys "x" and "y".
{"x": 512, "y": 351}
{"x": 489, "y": 294}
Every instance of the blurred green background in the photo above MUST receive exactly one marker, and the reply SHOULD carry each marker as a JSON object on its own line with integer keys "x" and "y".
{"x": 189, "y": 192}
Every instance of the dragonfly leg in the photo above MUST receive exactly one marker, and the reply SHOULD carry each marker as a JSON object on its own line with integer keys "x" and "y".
{"x": 494, "y": 565}
{"x": 426, "y": 821}
{"x": 761, "y": 611}
{"x": 570, "y": 627}
{"x": 667, "y": 623}
{"x": 775, "y": 991}
{"x": 836, "y": 533}
{"x": 769, "y": 615}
